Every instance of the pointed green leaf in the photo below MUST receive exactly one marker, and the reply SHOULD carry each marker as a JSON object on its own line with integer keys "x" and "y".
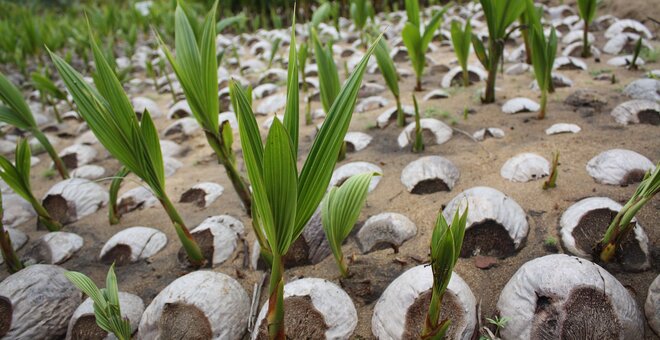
{"x": 281, "y": 183}
{"x": 292, "y": 111}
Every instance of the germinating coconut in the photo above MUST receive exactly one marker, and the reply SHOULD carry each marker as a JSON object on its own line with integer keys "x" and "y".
{"x": 385, "y": 229}
{"x": 132, "y": 244}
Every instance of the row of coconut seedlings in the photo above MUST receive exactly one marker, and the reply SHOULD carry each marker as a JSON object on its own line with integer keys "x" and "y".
{"x": 554, "y": 295}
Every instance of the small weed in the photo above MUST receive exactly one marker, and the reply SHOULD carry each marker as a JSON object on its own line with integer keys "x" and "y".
{"x": 499, "y": 323}
{"x": 596, "y": 73}
{"x": 650, "y": 55}
{"x": 550, "y": 241}
{"x": 49, "y": 173}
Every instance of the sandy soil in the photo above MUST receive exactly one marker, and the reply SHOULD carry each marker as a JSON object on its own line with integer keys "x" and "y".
{"x": 479, "y": 164}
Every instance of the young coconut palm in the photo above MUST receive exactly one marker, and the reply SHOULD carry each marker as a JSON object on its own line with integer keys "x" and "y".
{"x": 388, "y": 70}
{"x": 446, "y": 243}
{"x": 328, "y": 74}
{"x": 418, "y": 145}
{"x": 110, "y": 115}
{"x": 196, "y": 67}
{"x": 500, "y": 14}
{"x": 18, "y": 113}
{"x": 621, "y": 224}
{"x": 417, "y": 42}
{"x": 18, "y": 178}
{"x": 107, "y": 310}
{"x": 638, "y": 49}
{"x": 551, "y": 182}
{"x": 461, "y": 39}
{"x": 543, "y": 55}
{"x": 49, "y": 91}
{"x": 340, "y": 210}
{"x": 285, "y": 199}
{"x": 361, "y": 10}
{"x": 8, "y": 252}
{"x": 587, "y": 10}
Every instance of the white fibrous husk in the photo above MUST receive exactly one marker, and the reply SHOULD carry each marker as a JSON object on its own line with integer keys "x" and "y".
{"x": 571, "y": 218}
{"x": 652, "y": 305}
{"x": 455, "y": 75}
{"x": 136, "y": 198}
{"x": 427, "y": 169}
{"x": 562, "y": 128}
{"x": 490, "y": 204}
{"x": 347, "y": 170}
{"x": 143, "y": 242}
{"x": 481, "y": 134}
{"x": 210, "y": 190}
{"x": 618, "y": 166}
{"x": 40, "y": 300}
{"x": 140, "y": 104}
{"x": 184, "y": 127}
{"x": 77, "y": 155}
{"x": 221, "y": 299}
{"x": 90, "y": 172}
{"x": 55, "y": 247}
{"x": 435, "y": 94}
{"x": 328, "y": 299}
{"x": 371, "y": 103}
{"x": 82, "y": 197}
{"x": 648, "y": 89}
{"x": 16, "y": 210}
{"x": 226, "y": 232}
{"x": 554, "y": 278}
{"x": 389, "y": 115}
{"x": 391, "y": 229}
{"x": 569, "y": 63}
{"x": 628, "y": 112}
{"x": 389, "y": 318}
{"x": 358, "y": 140}
{"x": 520, "y": 104}
{"x": 271, "y": 104}
{"x": 180, "y": 109}
{"x": 131, "y": 306}
{"x": 525, "y": 167}
{"x": 440, "y": 130}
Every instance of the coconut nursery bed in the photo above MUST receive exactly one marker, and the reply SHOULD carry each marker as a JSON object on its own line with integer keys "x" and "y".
{"x": 494, "y": 159}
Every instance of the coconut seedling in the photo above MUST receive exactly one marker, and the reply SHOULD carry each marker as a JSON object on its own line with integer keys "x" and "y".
{"x": 446, "y": 243}
{"x": 418, "y": 145}
{"x": 587, "y": 10}
{"x": 622, "y": 223}
{"x": 361, "y": 11}
{"x": 636, "y": 52}
{"x": 17, "y": 176}
{"x": 6, "y": 246}
{"x": 49, "y": 92}
{"x": 543, "y": 55}
{"x": 339, "y": 212}
{"x": 551, "y": 182}
{"x": 196, "y": 67}
{"x": 461, "y": 39}
{"x": 107, "y": 310}
{"x": 284, "y": 198}
{"x": 16, "y": 112}
{"x": 417, "y": 42}
{"x": 499, "y": 15}
{"x": 328, "y": 73}
{"x": 110, "y": 115}
{"x": 391, "y": 76}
